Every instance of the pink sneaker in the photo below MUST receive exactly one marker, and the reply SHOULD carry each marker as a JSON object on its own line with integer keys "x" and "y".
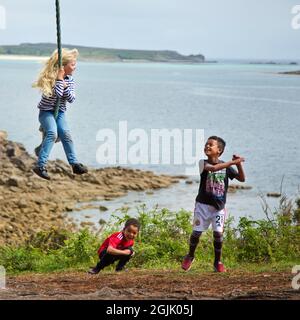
{"x": 219, "y": 267}
{"x": 187, "y": 263}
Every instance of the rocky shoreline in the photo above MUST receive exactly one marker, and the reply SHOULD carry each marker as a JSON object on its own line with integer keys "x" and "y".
{"x": 29, "y": 204}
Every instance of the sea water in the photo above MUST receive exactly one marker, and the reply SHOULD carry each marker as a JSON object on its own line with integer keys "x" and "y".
{"x": 253, "y": 108}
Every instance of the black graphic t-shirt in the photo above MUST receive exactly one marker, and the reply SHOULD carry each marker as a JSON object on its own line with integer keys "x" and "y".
{"x": 213, "y": 185}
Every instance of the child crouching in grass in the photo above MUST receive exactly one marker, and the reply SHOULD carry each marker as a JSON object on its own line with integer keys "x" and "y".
{"x": 118, "y": 247}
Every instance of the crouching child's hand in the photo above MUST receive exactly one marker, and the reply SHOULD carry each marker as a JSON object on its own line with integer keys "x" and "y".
{"x": 130, "y": 251}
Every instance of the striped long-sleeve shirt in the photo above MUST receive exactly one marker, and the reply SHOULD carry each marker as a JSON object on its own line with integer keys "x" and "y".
{"x": 65, "y": 94}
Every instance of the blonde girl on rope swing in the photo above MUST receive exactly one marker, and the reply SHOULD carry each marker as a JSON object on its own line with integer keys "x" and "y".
{"x": 56, "y": 85}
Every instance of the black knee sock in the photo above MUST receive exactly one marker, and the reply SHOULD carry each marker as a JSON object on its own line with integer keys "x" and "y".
{"x": 194, "y": 240}
{"x": 218, "y": 241}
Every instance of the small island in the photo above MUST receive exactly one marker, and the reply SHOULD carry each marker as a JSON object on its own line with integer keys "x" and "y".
{"x": 296, "y": 73}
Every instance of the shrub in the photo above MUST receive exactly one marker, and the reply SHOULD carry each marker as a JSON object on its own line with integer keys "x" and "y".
{"x": 163, "y": 241}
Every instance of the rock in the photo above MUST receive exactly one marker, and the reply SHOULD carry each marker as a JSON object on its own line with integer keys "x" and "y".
{"x": 14, "y": 189}
{"x": 16, "y": 182}
{"x": 3, "y": 225}
{"x": 69, "y": 208}
{"x": 29, "y": 204}
{"x": 234, "y": 187}
{"x": 180, "y": 177}
{"x": 13, "y": 150}
{"x": 22, "y": 203}
{"x": 84, "y": 224}
{"x": 189, "y": 182}
{"x": 274, "y": 194}
{"x": 3, "y": 135}
{"x": 21, "y": 164}
{"x": 240, "y": 187}
{"x": 231, "y": 190}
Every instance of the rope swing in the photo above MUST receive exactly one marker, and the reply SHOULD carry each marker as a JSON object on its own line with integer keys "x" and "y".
{"x": 59, "y": 51}
{"x": 58, "y": 30}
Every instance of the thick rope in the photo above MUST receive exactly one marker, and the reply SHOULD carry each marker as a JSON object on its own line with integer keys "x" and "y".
{"x": 56, "y": 109}
{"x": 58, "y": 29}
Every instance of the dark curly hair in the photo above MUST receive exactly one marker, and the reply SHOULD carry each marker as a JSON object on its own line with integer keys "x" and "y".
{"x": 220, "y": 141}
{"x": 132, "y": 222}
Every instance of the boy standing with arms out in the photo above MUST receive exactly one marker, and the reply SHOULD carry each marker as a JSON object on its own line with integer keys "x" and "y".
{"x": 211, "y": 198}
{"x": 118, "y": 247}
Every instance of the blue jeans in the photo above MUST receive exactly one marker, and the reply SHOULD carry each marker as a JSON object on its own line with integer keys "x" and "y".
{"x": 52, "y": 129}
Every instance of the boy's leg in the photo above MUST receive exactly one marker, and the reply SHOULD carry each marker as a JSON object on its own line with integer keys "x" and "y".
{"x": 123, "y": 260}
{"x": 48, "y": 123}
{"x": 218, "y": 242}
{"x": 218, "y": 228}
{"x": 194, "y": 240}
{"x": 66, "y": 139}
{"x": 106, "y": 259}
{"x": 201, "y": 223}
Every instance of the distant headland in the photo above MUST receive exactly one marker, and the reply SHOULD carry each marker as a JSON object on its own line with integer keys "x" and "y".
{"x": 102, "y": 54}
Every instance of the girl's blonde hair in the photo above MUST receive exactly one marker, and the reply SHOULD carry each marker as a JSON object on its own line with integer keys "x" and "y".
{"x": 48, "y": 75}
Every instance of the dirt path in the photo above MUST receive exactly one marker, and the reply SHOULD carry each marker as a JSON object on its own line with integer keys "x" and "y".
{"x": 141, "y": 284}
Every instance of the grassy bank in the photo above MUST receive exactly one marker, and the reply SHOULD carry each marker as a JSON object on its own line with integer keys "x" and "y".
{"x": 272, "y": 243}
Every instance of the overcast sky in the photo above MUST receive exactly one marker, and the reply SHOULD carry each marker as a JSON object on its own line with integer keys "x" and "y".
{"x": 253, "y": 29}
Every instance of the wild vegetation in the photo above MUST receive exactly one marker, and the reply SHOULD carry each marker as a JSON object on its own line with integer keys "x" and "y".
{"x": 163, "y": 241}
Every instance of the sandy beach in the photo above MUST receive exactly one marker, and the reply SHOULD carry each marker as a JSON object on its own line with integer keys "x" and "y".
{"x": 13, "y": 57}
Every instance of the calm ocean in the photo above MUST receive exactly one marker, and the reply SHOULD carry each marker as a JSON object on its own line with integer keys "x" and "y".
{"x": 256, "y": 110}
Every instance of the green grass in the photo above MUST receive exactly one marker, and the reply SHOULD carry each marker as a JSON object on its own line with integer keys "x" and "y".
{"x": 271, "y": 244}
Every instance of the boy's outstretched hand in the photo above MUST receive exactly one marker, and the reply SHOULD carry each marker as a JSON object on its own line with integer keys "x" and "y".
{"x": 238, "y": 159}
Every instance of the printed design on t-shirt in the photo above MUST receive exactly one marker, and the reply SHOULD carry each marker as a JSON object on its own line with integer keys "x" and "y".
{"x": 215, "y": 183}
{"x": 120, "y": 236}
